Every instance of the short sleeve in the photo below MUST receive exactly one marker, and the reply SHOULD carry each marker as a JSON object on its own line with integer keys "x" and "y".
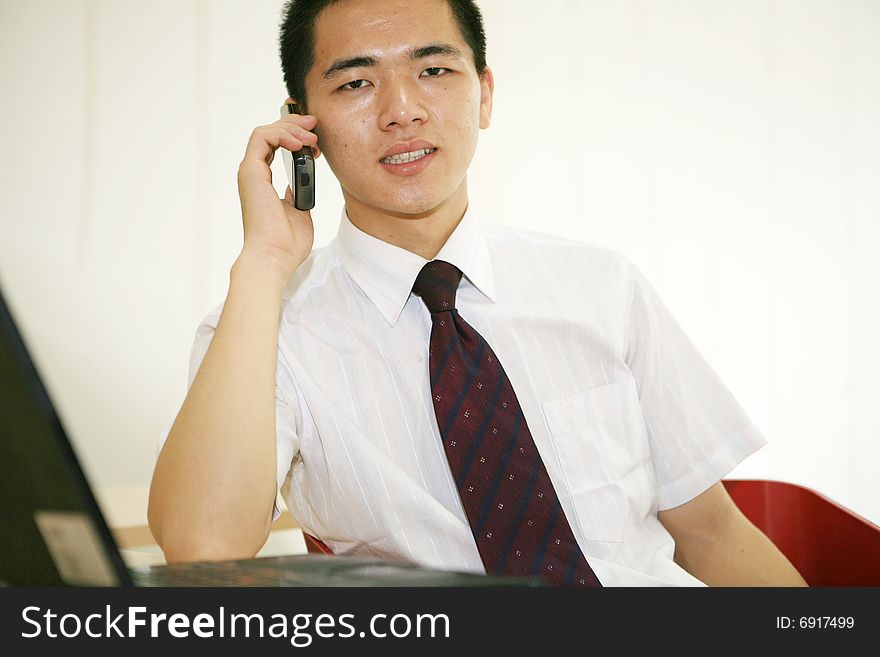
{"x": 286, "y": 413}
{"x": 697, "y": 431}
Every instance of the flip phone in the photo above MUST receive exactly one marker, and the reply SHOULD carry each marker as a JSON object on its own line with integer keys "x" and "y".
{"x": 300, "y": 167}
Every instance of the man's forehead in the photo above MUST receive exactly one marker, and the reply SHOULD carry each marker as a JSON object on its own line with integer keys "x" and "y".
{"x": 382, "y": 13}
{"x": 383, "y": 29}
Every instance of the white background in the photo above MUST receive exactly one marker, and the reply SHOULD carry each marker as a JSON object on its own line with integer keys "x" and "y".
{"x": 730, "y": 148}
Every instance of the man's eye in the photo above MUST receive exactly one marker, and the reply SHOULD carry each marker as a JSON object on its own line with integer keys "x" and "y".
{"x": 434, "y": 71}
{"x": 355, "y": 84}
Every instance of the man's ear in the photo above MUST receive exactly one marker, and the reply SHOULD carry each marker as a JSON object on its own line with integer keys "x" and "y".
{"x": 487, "y": 88}
{"x": 295, "y": 102}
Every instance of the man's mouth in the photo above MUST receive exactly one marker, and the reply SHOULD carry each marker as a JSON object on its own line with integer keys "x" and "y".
{"x": 411, "y": 156}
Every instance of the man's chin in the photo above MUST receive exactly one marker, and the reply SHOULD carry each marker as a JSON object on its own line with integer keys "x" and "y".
{"x": 417, "y": 199}
{"x": 413, "y": 210}
{"x": 401, "y": 208}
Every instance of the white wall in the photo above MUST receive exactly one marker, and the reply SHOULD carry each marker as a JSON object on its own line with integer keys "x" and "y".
{"x": 731, "y": 149}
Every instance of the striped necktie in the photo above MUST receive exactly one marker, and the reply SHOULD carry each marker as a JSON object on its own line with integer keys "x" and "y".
{"x": 518, "y": 523}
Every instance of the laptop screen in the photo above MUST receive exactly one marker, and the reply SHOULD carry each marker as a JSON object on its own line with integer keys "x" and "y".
{"x": 52, "y": 532}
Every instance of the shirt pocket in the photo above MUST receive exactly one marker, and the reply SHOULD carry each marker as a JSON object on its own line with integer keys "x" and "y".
{"x": 599, "y": 438}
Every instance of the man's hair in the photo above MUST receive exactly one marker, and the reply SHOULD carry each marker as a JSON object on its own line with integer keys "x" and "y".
{"x": 297, "y": 39}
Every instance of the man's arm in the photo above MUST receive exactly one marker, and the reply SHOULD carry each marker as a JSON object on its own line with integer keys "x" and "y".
{"x": 213, "y": 487}
{"x": 717, "y": 544}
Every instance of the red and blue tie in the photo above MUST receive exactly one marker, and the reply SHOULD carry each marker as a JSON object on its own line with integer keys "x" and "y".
{"x": 518, "y": 523}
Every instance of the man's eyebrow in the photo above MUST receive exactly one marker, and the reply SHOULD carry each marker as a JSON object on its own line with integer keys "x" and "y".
{"x": 341, "y": 65}
{"x": 435, "y": 49}
{"x": 367, "y": 61}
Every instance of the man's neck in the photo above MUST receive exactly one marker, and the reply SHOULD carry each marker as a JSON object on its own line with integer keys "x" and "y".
{"x": 423, "y": 234}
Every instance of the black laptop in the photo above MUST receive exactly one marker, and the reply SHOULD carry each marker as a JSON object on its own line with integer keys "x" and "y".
{"x": 52, "y": 531}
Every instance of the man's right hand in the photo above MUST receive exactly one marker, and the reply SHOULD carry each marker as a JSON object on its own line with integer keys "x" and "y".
{"x": 214, "y": 483}
{"x": 274, "y": 229}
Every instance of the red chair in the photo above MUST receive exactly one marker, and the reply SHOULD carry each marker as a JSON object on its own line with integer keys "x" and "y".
{"x": 828, "y": 544}
{"x": 316, "y": 545}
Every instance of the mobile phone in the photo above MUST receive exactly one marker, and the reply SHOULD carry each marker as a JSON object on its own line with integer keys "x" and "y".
{"x": 300, "y": 167}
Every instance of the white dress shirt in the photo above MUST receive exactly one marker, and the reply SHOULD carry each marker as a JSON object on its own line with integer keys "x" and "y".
{"x": 629, "y": 419}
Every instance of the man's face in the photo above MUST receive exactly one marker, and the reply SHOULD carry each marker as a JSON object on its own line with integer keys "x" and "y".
{"x": 392, "y": 75}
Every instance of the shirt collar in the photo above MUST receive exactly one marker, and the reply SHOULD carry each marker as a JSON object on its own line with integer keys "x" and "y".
{"x": 386, "y": 273}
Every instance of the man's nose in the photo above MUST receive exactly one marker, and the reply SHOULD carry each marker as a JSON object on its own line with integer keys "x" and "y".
{"x": 402, "y": 104}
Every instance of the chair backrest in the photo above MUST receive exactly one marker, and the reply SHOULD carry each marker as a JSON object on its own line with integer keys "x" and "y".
{"x": 316, "y": 545}
{"x": 828, "y": 544}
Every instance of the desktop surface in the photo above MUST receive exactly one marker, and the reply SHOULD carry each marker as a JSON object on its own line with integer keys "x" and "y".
{"x": 313, "y": 570}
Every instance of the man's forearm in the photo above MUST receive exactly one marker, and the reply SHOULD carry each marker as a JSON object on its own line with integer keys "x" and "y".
{"x": 738, "y": 555}
{"x": 214, "y": 482}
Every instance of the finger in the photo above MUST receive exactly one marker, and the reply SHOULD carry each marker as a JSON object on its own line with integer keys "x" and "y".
{"x": 307, "y": 121}
{"x": 301, "y": 133}
{"x": 257, "y": 147}
{"x": 265, "y": 140}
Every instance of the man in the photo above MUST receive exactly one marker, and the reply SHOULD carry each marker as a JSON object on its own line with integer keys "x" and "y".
{"x": 320, "y": 376}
